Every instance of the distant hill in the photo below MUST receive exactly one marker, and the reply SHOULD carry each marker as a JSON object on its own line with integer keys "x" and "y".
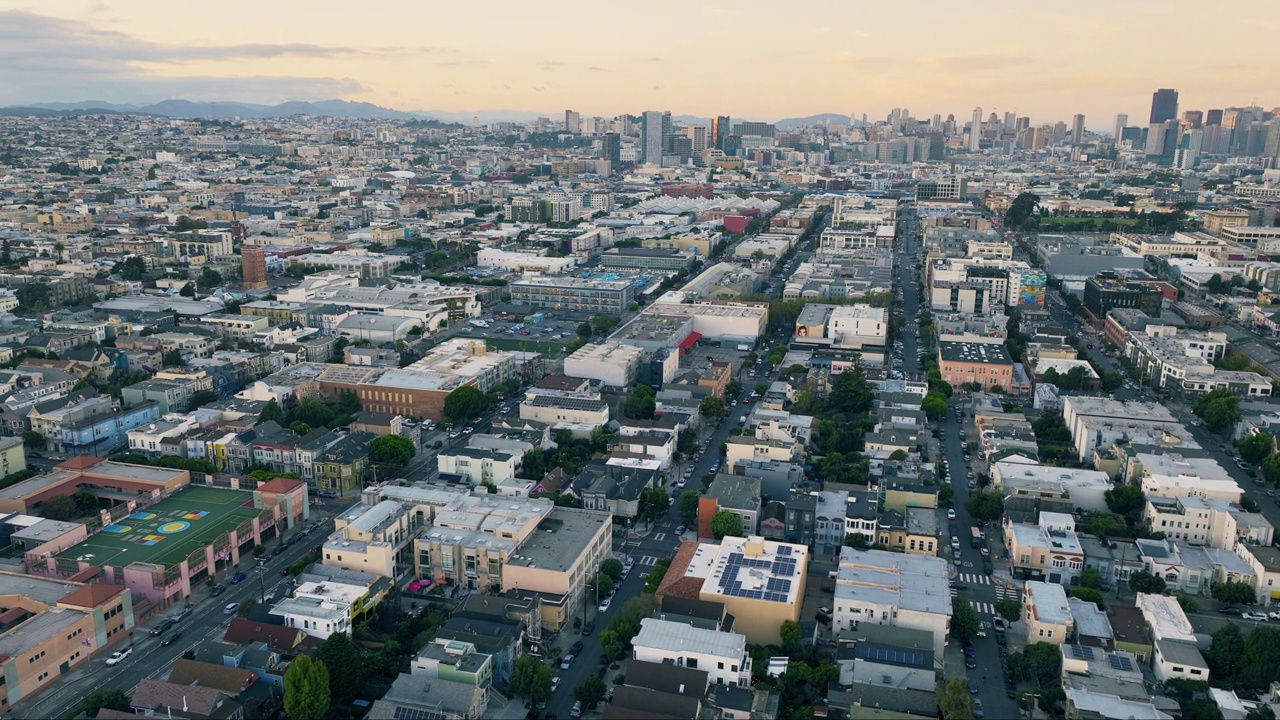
{"x": 820, "y": 119}
{"x": 487, "y": 117}
{"x": 190, "y": 109}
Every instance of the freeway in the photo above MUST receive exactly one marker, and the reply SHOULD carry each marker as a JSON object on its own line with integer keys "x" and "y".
{"x": 150, "y": 659}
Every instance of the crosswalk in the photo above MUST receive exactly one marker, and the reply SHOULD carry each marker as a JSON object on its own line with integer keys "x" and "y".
{"x": 648, "y": 560}
{"x": 1002, "y": 591}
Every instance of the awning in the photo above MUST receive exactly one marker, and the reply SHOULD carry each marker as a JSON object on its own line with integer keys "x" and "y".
{"x": 689, "y": 341}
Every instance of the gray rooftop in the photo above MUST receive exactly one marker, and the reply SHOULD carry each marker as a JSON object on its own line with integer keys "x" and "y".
{"x": 560, "y": 538}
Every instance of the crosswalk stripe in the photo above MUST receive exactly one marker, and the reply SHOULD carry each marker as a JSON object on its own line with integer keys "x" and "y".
{"x": 649, "y": 560}
{"x": 660, "y": 536}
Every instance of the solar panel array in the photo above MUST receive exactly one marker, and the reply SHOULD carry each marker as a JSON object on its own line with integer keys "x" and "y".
{"x": 412, "y": 713}
{"x": 784, "y": 550}
{"x": 1120, "y": 662}
{"x": 1080, "y": 652}
{"x": 777, "y": 589}
{"x": 892, "y": 656}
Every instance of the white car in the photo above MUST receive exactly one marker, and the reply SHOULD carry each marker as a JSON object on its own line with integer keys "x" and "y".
{"x": 565, "y": 662}
{"x": 604, "y": 605}
{"x": 1274, "y": 615}
{"x": 555, "y": 683}
{"x": 1255, "y": 616}
{"x": 119, "y": 656}
{"x": 951, "y": 514}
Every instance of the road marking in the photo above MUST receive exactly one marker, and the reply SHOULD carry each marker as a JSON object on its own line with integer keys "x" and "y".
{"x": 649, "y": 560}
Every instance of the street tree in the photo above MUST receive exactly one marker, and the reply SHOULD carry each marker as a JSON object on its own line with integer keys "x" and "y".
{"x": 1220, "y": 409}
{"x": 612, "y": 567}
{"x": 725, "y": 523}
{"x": 602, "y": 584}
{"x": 1009, "y": 608}
{"x": 463, "y": 404}
{"x": 306, "y": 689}
{"x": 985, "y": 505}
{"x": 1234, "y": 593}
{"x": 1127, "y": 500}
{"x": 1089, "y": 594}
{"x": 934, "y": 406}
{"x": 1091, "y": 578}
{"x": 110, "y": 698}
{"x": 1144, "y": 582}
{"x": 59, "y": 507}
{"x": 954, "y": 700}
{"x": 590, "y": 692}
{"x": 1255, "y": 447}
{"x": 964, "y": 619}
{"x": 653, "y": 503}
{"x": 688, "y": 506}
{"x": 392, "y": 450}
{"x": 712, "y": 406}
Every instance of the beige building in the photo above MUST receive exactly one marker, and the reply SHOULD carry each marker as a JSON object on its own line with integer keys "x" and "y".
{"x": 760, "y": 582}
{"x": 370, "y": 539}
{"x": 559, "y": 559}
{"x": 1047, "y": 613}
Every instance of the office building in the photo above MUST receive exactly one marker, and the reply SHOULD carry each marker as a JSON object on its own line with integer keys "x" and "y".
{"x": 654, "y": 126}
{"x": 720, "y": 129}
{"x": 975, "y": 130}
{"x": 1164, "y": 106}
{"x": 753, "y": 129}
{"x": 1193, "y": 119}
{"x": 571, "y": 294}
{"x": 1108, "y": 290}
{"x": 253, "y": 267}
{"x": 1118, "y": 132}
{"x": 611, "y": 147}
{"x": 572, "y": 122}
{"x": 1077, "y": 130}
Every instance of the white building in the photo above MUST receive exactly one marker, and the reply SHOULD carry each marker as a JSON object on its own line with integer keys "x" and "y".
{"x": 1084, "y": 488}
{"x": 722, "y": 655}
{"x": 1171, "y": 475}
{"x": 524, "y": 261}
{"x": 497, "y": 467}
{"x": 888, "y": 588}
{"x": 320, "y": 608}
{"x": 613, "y": 364}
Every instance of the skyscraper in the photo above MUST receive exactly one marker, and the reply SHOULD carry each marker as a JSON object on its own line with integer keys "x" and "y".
{"x": 653, "y": 126}
{"x": 1077, "y": 130}
{"x": 698, "y": 134}
{"x": 572, "y": 122}
{"x": 719, "y": 131}
{"x": 1213, "y": 117}
{"x": 1187, "y": 155}
{"x": 1164, "y": 105}
{"x": 611, "y": 147}
{"x": 253, "y": 267}
{"x": 975, "y": 132}
{"x": 1118, "y": 132}
{"x": 1193, "y": 119}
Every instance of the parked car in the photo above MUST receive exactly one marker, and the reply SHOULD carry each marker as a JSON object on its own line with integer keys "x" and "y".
{"x": 589, "y": 628}
{"x": 217, "y": 590}
{"x": 978, "y": 712}
{"x": 576, "y": 648}
{"x": 555, "y": 683}
{"x": 973, "y": 687}
{"x": 231, "y": 608}
{"x": 118, "y": 656}
{"x": 239, "y": 578}
{"x": 1255, "y": 616}
{"x": 168, "y": 639}
{"x": 576, "y": 710}
{"x": 566, "y": 662}
{"x": 680, "y": 530}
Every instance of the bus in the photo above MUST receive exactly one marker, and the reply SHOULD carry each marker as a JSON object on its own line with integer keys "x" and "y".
{"x": 976, "y": 538}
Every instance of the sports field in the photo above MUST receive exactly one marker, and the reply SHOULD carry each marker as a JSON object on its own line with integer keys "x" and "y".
{"x": 167, "y": 532}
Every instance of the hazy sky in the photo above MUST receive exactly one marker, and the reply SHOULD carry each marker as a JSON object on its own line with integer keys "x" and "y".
{"x": 748, "y": 59}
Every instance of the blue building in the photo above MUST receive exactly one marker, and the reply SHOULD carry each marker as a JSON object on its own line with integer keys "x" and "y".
{"x": 102, "y": 434}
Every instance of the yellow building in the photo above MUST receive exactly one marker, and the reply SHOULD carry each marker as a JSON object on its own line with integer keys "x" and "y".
{"x": 13, "y": 457}
{"x": 559, "y": 559}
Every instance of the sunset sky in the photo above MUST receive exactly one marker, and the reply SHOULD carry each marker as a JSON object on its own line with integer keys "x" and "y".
{"x": 747, "y": 58}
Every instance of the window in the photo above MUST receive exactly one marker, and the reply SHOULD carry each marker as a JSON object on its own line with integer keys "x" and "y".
{"x": 719, "y": 666}
{"x": 691, "y": 662}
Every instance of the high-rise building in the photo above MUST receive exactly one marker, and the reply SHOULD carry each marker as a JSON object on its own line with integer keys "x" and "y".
{"x": 1193, "y": 119}
{"x": 1213, "y": 117}
{"x": 611, "y": 147}
{"x": 654, "y": 125}
{"x": 720, "y": 129}
{"x": 698, "y": 134}
{"x": 1121, "y": 121}
{"x": 1077, "y": 130}
{"x": 1187, "y": 155}
{"x": 572, "y": 122}
{"x": 1164, "y": 105}
{"x": 975, "y": 132}
{"x": 1162, "y": 141}
{"x": 754, "y": 129}
{"x": 253, "y": 267}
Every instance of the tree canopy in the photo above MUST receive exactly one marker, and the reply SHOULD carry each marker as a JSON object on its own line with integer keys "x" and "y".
{"x": 964, "y": 619}
{"x": 640, "y": 404}
{"x": 306, "y": 689}
{"x": 1220, "y": 409}
{"x": 392, "y": 450}
{"x": 725, "y": 523}
{"x": 346, "y": 669}
{"x": 465, "y": 403}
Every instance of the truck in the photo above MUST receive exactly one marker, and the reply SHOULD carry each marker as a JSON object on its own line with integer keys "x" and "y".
{"x": 975, "y": 538}
{"x": 478, "y": 323}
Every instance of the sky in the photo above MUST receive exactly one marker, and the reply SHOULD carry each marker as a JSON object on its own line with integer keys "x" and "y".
{"x": 748, "y": 58}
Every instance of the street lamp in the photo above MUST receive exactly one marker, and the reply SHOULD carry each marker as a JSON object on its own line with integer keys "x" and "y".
{"x": 262, "y": 590}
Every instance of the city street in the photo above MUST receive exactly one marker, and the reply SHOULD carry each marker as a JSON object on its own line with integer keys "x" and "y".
{"x": 150, "y": 659}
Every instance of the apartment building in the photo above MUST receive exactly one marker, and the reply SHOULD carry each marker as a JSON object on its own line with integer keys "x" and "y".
{"x": 1084, "y": 488}
{"x": 170, "y": 390}
{"x": 1048, "y": 615}
{"x": 321, "y": 609}
{"x": 585, "y": 412}
{"x": 974, "y": 361}
{"x": 1172, "y": 475}
{"x": 373, "y": 539}
{"x": 559, "y": 559}
{"x": 1048, "y": 550}
{"x": 898, "y": 589}
{"x": 1097, "y": 423}
{"x": 1206, "y": 521}
{"x": 760, "y": 582}
{"x": 723, "y": 655}
{"x": 1108, "y": 291}
{"x": 482, "y": 466}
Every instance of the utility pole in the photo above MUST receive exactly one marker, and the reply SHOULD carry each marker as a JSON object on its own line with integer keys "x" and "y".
{"x": 262, "y": 590}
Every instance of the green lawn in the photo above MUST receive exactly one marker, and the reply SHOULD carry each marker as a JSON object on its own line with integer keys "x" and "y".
{"x": 549, "y": 349}
{"x": 224, "y": 510}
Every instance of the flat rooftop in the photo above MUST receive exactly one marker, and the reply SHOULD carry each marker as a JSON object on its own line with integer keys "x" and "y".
{"x": 560, "y": 538}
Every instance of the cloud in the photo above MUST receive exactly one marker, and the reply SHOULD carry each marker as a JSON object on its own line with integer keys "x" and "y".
{"x": 463, "y": 63}
{"x": 659, "y": 86}
{"x": 593, "y": 68}
{"x": 45, "y": 58}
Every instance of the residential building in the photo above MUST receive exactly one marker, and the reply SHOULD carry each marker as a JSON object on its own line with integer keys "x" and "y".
{"x": 897, "y": 589}
{"x": 572, "y": 294}
{"x": 482, "y": 466}
{"x": 1108, "y": 290}
{"x": 723, "y": 655}
{"x": 612, "y": 364}
{"x": 373, "y": 539}
{"x": 1047, "y": 613}
{"x": 1084, "y": 488}
{"x": 986, "y": 364}
{"x": 1205, "y": 521}
{"x": 1048, "y": 550}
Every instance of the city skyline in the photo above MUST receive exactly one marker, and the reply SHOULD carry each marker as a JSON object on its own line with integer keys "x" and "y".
{"x": 441, "y": 59}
